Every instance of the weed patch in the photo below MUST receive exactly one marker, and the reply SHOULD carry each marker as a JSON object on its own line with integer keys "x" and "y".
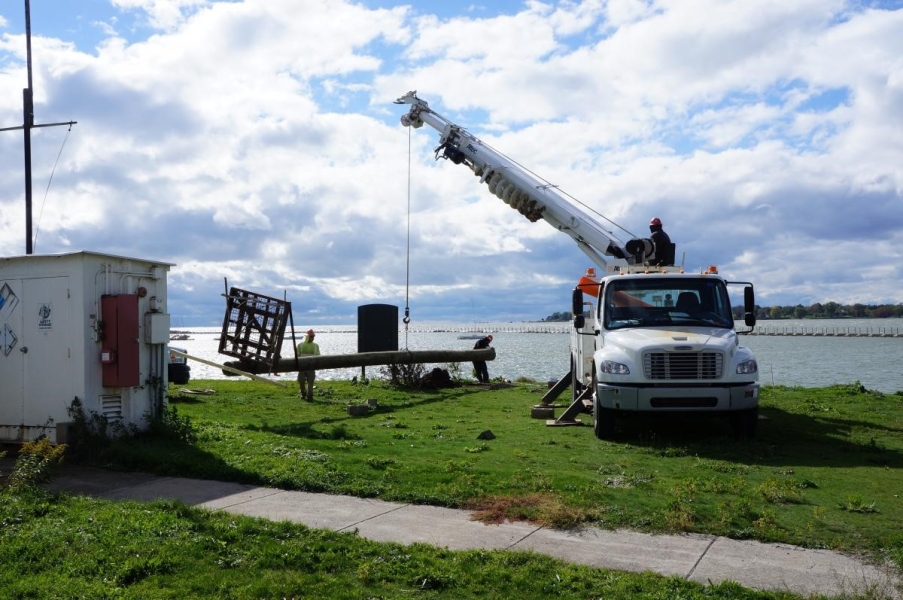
{"x": 377, "y": 462}
{"x": 856, "y": 504}
{"x": 476, "y": 449}
{"x": 780, "y": 491}
{"x": 543, "y": 509}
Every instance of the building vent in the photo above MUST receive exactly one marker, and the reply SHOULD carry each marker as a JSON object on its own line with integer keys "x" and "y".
{"x": 111, "y": 408}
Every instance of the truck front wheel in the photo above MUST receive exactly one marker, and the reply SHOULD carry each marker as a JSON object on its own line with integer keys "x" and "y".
{"x": 744, "y": 422}
{"x": 604, "y": 423}
{"x": 603, "y": 418}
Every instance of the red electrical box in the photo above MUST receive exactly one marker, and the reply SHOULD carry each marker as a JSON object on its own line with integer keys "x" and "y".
{"x": 119, "y": 344}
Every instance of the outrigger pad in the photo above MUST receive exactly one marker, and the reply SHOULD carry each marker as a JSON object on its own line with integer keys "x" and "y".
{"x": 542, "y": 412}
{"x": 560, "y": 423}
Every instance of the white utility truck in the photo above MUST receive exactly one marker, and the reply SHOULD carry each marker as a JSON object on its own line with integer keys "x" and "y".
{"x": 657, "y": 339}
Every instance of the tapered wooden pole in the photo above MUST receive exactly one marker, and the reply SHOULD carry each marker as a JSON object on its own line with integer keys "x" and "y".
{"x": 227, "y": 370}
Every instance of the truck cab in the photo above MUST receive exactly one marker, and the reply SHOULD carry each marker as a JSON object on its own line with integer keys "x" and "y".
{"x": 663, "y": 341}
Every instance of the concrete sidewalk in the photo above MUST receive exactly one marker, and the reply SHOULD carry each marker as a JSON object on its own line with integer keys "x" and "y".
{"x": 700, "y": 558}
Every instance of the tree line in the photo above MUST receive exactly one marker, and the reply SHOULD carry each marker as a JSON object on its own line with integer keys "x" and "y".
{"x": 827, "y": 310}
{"x": 558, "y": 317}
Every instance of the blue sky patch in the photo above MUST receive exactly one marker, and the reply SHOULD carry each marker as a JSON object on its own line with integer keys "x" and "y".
{"x": 827, "y": 100}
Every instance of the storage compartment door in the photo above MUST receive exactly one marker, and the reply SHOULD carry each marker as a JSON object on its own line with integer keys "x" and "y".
{"x": 47, "y": 326}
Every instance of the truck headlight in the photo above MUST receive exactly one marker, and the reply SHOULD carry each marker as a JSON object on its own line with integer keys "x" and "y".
{"x": 746, "y": 367}
{"x": 614, "y": 368}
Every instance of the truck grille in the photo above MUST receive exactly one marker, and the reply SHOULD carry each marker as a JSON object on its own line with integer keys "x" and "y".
{"x": 683, "y": 365}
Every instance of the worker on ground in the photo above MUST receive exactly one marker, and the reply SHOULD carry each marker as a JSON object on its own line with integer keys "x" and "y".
{"x": 306, "y": 378}
{"x": 479, "y": 366}
{"x": 663, "y": 255}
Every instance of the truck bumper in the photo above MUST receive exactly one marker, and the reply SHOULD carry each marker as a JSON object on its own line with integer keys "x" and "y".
{"x": 628, "y": 398}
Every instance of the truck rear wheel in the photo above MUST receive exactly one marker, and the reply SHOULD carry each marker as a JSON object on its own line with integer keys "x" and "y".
{"x": 744, "y": 422}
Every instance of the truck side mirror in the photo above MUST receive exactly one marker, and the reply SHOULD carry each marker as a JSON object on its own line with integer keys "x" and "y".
{"x": 577, "y": 308}
{"x": 577, "y": 302}
{"x": 749, "y": 306}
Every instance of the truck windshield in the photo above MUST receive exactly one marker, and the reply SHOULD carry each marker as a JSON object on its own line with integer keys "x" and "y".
{"x": 658, "y": 301}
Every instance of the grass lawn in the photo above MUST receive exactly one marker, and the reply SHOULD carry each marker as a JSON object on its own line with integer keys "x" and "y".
{"x": 824, "y": 470}
{"x": 77, "y": 547}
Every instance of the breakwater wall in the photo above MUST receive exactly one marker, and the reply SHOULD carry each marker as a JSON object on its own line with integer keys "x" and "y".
{"x": 771, "y": 330}
{"x": 463, "y": 329}
{"x": 494, "y": 329}
{"x": 558, "y": 328}
{"x": 833, "y": 331}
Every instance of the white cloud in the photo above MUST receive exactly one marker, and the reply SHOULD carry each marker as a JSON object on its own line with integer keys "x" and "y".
{"x": 162, "y": 14}
{"x": 256, "y": 140}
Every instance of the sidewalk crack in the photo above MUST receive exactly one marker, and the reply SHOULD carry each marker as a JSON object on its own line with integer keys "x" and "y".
{"x": 699, "y": 560}
{"x": 516, "y": 542}
{"x": 273, "y": 492}
{"x": 373, "y": 517}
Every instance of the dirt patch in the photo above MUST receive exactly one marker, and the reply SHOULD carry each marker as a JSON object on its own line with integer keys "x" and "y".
{"x": 543, "y": 509}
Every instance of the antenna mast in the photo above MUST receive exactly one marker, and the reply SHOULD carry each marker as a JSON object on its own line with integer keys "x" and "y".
{"x": 27, "y": 125}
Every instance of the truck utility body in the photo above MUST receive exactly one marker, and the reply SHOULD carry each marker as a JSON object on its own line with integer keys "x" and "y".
{"x": 658, "y": 339}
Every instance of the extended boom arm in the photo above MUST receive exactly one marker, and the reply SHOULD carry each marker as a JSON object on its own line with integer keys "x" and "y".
{"x": 517, "y": 187}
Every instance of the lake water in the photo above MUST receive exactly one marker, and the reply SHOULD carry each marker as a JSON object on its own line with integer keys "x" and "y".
{"x": 540, "y": 351}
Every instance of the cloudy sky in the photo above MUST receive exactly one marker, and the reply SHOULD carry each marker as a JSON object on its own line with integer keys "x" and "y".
{"x": 257, "y": 141}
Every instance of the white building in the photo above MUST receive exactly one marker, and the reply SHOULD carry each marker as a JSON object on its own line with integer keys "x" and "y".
{"x": 80, "y": 325}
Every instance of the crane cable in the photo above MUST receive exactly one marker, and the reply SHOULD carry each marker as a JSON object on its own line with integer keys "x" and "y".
{"x": 407, "y": 284}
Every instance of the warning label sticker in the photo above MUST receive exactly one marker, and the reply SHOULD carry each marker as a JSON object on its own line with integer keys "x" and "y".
{"x": 8, "y": 302}
{"x": 45, "y": 316}
{"x": 8, "y": 339}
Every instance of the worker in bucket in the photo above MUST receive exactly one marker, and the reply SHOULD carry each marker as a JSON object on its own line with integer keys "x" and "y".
{"x": 479, "y": 366}
{"x": 306, "y": 378}
{"x": 664, "y": 250}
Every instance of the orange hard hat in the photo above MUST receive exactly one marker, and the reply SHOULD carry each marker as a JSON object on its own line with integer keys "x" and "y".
{"x": 655, "y": 221}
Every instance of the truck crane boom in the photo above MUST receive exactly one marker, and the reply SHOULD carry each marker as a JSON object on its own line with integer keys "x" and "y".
{"x": 652, "y": 340}
{"x": 523, "y": 191}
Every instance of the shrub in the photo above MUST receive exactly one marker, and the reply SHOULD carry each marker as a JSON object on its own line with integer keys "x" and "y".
{"x": 36, "y": 463}
{"x": 173, "y": 426}
{"x": 91, "y": 432}
{"x": 409, "y": 375}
